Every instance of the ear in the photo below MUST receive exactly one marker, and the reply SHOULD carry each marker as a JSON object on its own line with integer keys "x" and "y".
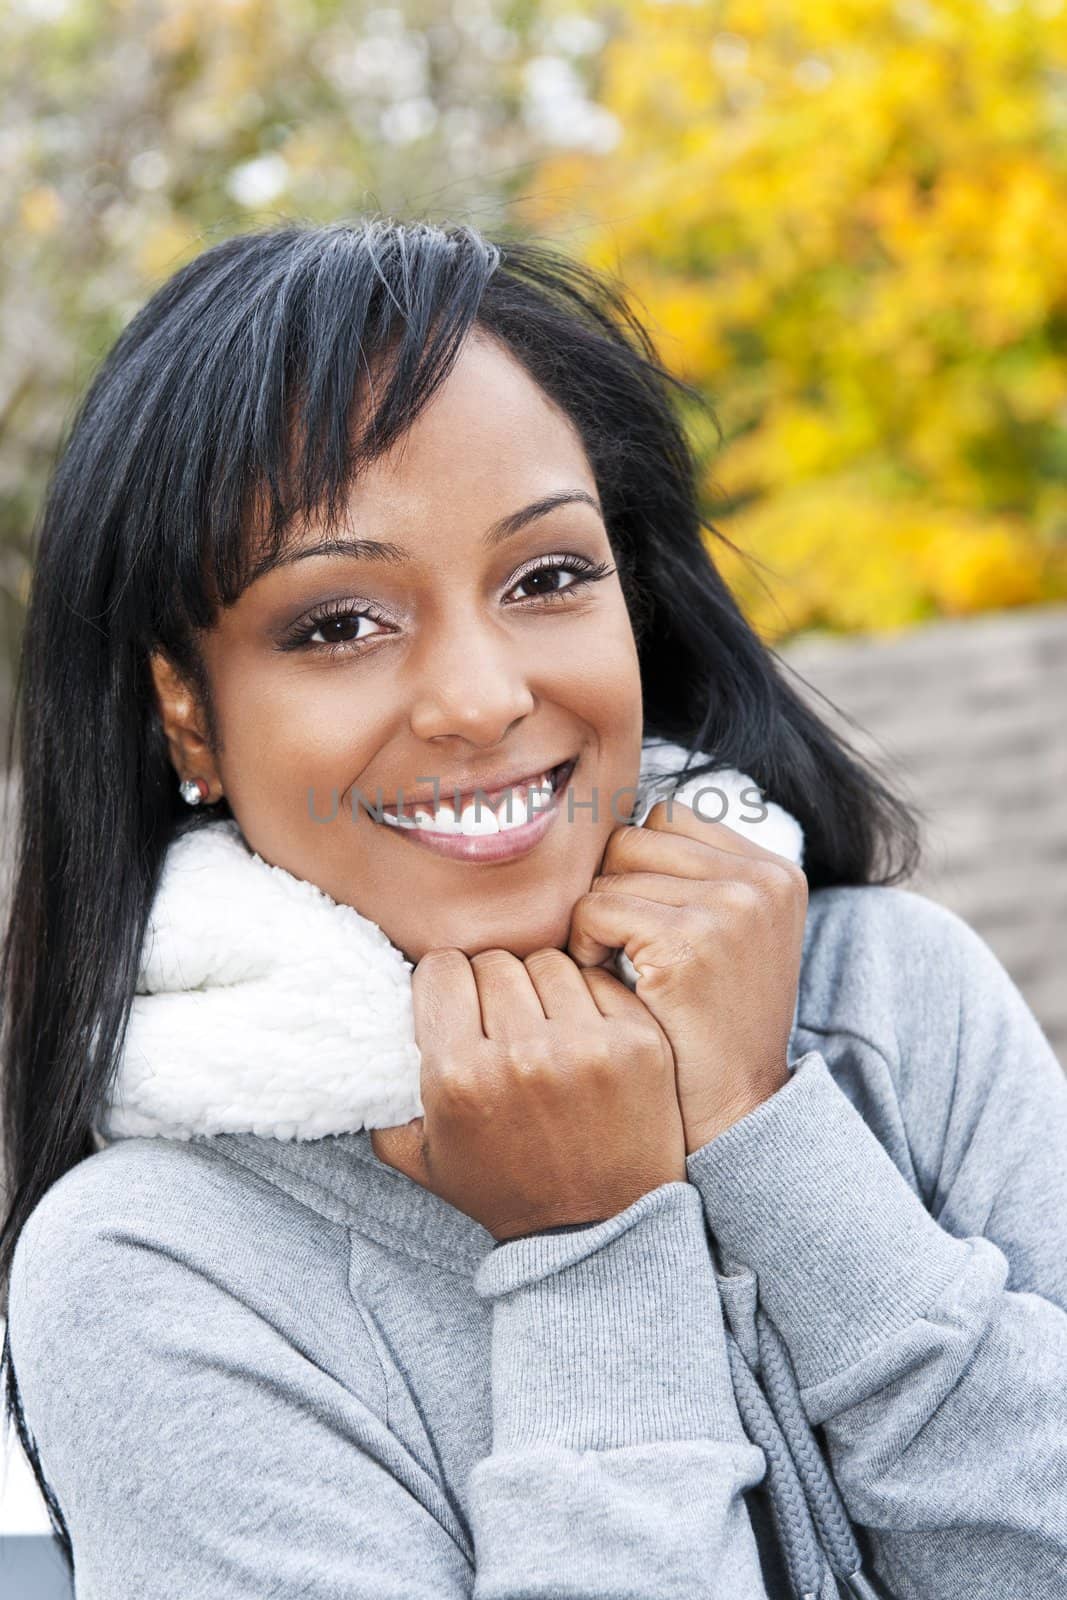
{"x": 185, "y": 725}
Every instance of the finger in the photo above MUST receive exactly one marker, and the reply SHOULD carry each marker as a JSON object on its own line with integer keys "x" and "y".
{"x": 686, "y": 854}
{"x": 664, "y": 887}
{"x": 612, "y": 997}
{"x": 444, "y": 998}
{"x": 608, "y": 921}
{"x": 670, "y": 889}
{"x": 510, "y": 1004}
{"x": 561, "y": 985}
{"x": 669, "y": 853}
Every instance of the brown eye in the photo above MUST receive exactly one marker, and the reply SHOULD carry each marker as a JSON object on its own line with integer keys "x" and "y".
{"x": 333, "y": 630}
{"x": 543, "y": 577}
{"x": 339, "y": 630}
{"x": 543, "y": 581}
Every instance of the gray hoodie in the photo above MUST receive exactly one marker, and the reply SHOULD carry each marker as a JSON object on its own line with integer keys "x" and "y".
{"x": 276, "y": 1367}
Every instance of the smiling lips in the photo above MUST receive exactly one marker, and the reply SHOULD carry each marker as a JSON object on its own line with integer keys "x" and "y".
{"x": 487, "y": 811}
{"x": 482, "y": 833}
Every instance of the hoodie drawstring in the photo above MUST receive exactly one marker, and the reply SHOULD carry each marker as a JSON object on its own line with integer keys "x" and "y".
{"x": 796, "y": 1530}
{"x": 824, "y": 1497}
{"x": 807, "y": 1503}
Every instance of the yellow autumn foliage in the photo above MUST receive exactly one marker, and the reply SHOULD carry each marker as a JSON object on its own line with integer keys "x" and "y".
{"x": 847, "y": 223}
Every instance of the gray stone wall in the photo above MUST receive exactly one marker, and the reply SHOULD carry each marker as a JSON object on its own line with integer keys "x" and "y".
{"x": 970, "y": 718}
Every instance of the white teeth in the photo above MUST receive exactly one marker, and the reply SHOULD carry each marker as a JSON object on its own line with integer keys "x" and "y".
{"x": 478, "y": 819}
{"x": 511, "y": 812}
{"x": 398, "y": 822}
{"x": 477, "y": 816}
{"x": 444, "y": 820}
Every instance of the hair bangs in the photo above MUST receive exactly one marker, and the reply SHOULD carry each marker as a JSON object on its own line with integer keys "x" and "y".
{"x": 334, "y": 358}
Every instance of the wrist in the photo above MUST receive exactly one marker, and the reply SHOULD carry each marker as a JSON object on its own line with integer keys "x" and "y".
{"x": 702, "y": 1128}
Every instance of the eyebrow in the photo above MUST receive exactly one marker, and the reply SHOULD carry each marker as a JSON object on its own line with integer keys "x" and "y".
{"x": 396, "y": 554}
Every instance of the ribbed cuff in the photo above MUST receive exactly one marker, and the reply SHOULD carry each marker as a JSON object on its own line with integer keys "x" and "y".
{"x": 845, "y": 1253}
{"x": 562, "y": 1227}
{"x": 611, "y": 1336}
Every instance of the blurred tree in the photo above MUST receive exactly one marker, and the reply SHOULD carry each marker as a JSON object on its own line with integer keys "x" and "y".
{"x": 848, "y": 221}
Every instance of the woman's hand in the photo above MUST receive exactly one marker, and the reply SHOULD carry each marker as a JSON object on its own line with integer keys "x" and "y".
{"x": 548, "y": 1092}
{"x": 714, "y": 926}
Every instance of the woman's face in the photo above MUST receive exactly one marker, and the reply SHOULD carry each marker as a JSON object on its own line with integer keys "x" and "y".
{"x": 443, "y": 658}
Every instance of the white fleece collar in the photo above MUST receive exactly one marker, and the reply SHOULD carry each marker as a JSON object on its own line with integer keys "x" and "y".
{"x": 264, "y": 1006}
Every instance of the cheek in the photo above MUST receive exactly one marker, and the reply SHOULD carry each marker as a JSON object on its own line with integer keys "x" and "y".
{"x": 596, "y": 669}
{"x": 284, "y": 740}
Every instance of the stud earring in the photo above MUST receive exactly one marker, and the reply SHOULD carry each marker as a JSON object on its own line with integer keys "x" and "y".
{"x": 193, "y": 790}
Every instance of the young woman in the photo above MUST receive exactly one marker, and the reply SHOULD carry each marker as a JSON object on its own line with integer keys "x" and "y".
{"x": 605, "y": 1198}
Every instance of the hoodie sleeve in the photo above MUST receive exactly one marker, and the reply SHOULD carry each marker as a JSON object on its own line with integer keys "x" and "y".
{"x": 618, "y": 1459}
{"x": 195, "y": 1448}
{"x": 928, "y": 1335}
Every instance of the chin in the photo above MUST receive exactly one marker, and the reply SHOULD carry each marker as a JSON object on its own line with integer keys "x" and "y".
{"x": 521, "y": 941}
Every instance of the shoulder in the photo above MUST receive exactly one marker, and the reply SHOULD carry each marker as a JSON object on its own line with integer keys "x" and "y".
{"x": 147, "y": 1233}
{"x": 151, "y": 1193}
{"x": 881, "y": 962}
{"x": 109, "y": 1221}
{"x": 183, "y": 1340}
{"x": 929, "y": 1036}
{"x": 856, "y": 925}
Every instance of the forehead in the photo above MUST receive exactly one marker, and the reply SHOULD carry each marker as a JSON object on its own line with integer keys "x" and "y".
{"x": 489, "y": 430}
{"x": 489, "y": 442}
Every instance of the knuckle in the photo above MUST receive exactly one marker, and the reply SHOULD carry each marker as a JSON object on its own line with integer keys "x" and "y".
{"x": 780, "y": 876}
{"x": 643, "y": 1032}
{"x": 434, "y": 982}
{"x": 442, "y": 953}
{"x": 650, "y": 1029}
{"x": 546, "y": 958}
{"x": 492, "y": 960}
{"x": 641, "y": 1042}
{"x": 797, "y": 879}
{"x": 495, "y": 968}
{"x": 597, "y": 1055}
{"x": 436, "y": 964}
{"x": 689, "y": 933}
{"x": 741, "y": 896}
{"x": 624, "y": 845}
{"x": 530, "y": 1057}
{"x": 457, "y": 1094}
{"x": 692, "y": 924}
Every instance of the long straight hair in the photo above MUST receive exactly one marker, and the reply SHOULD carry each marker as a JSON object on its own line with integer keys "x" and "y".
{"x": 229, "y": 404}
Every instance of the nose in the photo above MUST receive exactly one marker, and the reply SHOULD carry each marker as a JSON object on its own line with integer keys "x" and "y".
{"x": 472, "y": 684}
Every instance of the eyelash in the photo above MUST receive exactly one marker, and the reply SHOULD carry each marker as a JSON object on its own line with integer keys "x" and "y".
{"x": 299, "y": 637}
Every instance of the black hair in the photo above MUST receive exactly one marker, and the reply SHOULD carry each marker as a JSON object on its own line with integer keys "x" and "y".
{"x": 227, "y": 405}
